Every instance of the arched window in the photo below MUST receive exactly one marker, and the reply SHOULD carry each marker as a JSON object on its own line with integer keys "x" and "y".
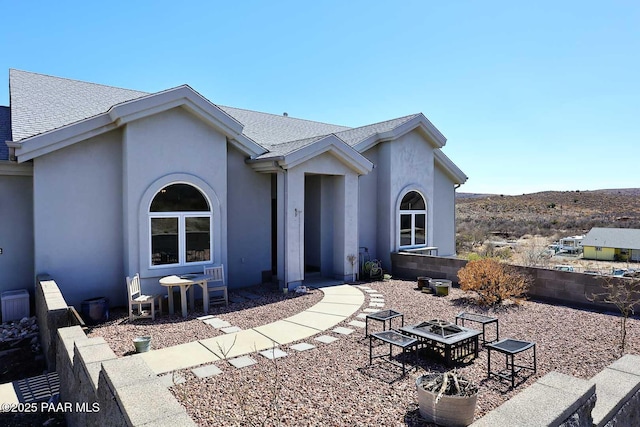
{"x": 413, "y": 220}
{"x": 180, "y": 222}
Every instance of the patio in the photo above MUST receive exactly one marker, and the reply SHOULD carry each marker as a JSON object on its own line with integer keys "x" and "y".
{"x": 333, "y": 384}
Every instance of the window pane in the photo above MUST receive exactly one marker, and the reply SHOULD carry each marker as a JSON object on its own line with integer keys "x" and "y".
{"x": 164, "y": 241}
{"x": 412, "y": 201}
{"x": 198, "y": 239}
{"x": 405, "y": 230}
{"x": 421, "y": 232}
{"x": 179, "y": 198}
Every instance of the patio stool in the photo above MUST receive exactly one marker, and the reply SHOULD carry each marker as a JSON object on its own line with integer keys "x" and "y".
{"x": 510, "y": 347}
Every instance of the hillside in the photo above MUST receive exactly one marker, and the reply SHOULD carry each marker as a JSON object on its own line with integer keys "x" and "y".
{"x": 550, "y": 213}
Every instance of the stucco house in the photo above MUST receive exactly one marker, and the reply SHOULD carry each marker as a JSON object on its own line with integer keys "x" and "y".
{"x": 97, "y": 183}
{"x": 612, "y": 244}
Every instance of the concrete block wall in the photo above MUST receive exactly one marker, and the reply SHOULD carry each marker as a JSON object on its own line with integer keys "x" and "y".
{"x": 554, "y": 400}
{"x": 52, "y": 313}
{"x": 561, "y": 287}
{"x": 105, "y": 390}
{"x": 609, "y": 399}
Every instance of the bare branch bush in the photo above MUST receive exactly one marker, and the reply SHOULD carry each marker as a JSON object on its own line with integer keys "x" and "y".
{"x": 493, "y": 281}
{"x": 624, "y": 293}
{"x": 256, "y": 412}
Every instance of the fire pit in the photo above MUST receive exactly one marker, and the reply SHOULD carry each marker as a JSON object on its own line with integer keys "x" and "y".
{"x": 439, "y": 327}
{"x": 445, "y": 339}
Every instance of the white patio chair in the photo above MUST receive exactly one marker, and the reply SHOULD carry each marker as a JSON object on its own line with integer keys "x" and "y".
{"x": 217, "y": 287}
{"x": 136, "y": 298}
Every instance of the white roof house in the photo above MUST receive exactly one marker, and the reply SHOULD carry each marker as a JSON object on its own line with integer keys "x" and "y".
{"x": 108, "y": 182}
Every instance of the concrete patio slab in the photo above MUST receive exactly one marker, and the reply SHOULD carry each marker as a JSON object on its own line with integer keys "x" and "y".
{"x": 317, "y": 321}
{"x": 243, "y": 342}
{"x": 327, "y": 339}
{"x": 303, "y": 346}
{"x": 242, "y": 362}
{"x": 285, "y": 332}
{"x": 376, "y": 304}
{"x": 206, "y": 371}
{"x": 343, "y": 331}
{"x": 371, "y": 310}
{"x": 344, "y": 299}
{"x": 208, "y": 316}
{"x": 178, "y": 357}
{"x": 362, "y": 315}
{"x": 273, "y": 353}
{"x": 231, "y": 330}
{"x": 344, "y": 310}
{"x": 217, "y": 323}
{"x": 340, "y": 290}
{"x": 362, "y": 287}
{"x": 370, "y": 291}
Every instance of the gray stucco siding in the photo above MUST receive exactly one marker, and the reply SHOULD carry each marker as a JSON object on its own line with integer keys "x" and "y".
{"x": 249, "y": 224}
{"x": 368, "y": 201}
{"x": 444, "y": 211}
{"x": 169, "y": 147}
{"x": 78, "y": 218}
{"x": 16, "y": 233}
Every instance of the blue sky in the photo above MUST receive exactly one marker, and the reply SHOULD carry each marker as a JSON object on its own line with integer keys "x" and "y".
{"x": 531, "y": 96}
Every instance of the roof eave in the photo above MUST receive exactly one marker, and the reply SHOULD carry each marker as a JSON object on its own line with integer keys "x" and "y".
{"x": 449, "y": 167}
{"x": 126, "y": 112}
{"x": 419, "y": 122}
{"x": 14, "y": 169}
{"x": 334, "y": 145}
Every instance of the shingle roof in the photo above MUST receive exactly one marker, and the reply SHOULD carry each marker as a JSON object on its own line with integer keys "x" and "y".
{"x": 272, "y": 129}
{"x": 622, "y": 238}
{"x": 40, "y": 103}
{"x": 5, "y": 132}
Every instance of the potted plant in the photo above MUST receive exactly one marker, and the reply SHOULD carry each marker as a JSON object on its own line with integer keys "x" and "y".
{"x": 142, "y": 344}
{"x": 447, "y": 399}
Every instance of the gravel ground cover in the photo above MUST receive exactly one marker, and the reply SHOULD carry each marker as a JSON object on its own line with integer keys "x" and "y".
{"x": 333, "y": 383}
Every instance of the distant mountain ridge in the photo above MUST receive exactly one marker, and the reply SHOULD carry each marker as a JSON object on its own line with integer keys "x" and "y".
{"x": 548, "y": 213}
{"x": 622, "y": 191}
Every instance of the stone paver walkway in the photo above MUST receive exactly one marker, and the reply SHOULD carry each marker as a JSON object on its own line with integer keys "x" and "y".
{"x": 338, "y": 304}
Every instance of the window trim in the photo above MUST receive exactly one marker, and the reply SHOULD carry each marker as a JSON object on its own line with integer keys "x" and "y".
{"x": 412, "y": 213}
{"x": 139, "y": 258}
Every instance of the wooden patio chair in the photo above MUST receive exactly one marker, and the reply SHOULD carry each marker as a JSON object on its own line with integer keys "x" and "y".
{"x": 136, "y": 298}
{"x": 217, "y": 287}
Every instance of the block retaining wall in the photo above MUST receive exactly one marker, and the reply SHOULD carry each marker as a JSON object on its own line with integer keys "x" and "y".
{"x": 102, "y": 389}
{"x": 559, "y": 287}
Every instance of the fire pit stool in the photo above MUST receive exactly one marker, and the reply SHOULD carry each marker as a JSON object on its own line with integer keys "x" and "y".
{"x": 394, "y": 339}
{"x": 479, "y": 318}
{"x": 382, "y": 316}
{"x": 510, "y": 347}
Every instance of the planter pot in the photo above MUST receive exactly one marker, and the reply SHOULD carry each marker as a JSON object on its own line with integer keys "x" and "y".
{"x": 451, "y": 411}
{"x": 423, "y": 282}
{"x": 433, "y": 283}
{"x": 442, "y": 290}
{"x": 142, "y": 344}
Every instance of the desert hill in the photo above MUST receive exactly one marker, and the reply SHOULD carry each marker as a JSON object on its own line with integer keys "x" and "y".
{"x": 549, "y": 213}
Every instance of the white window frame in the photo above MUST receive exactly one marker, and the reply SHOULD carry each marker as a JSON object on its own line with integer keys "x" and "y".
{"x": 413, "y": 214}
{"x": 182, "y": 230}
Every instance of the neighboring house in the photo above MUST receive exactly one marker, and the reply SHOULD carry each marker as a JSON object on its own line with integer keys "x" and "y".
{"x": 571, "y": 244}
{"x": 612, "y": 244}
{"x": 98, "y": 183}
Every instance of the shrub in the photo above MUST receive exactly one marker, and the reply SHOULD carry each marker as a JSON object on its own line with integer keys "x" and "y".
{"x": 493, "y": 282}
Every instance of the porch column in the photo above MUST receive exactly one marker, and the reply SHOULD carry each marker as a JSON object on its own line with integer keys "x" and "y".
{"x": 294, "y": 228}
{"x": 281, "y": 226}
{"x": 346, "y": 227}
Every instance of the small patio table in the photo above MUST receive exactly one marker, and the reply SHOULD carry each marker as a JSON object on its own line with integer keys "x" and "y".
{"x": 185, "y": 282}
{"x": 382, "y": 316}
{"x": 479, "y": 318}
{"x": 510, "y": 347}
{"x": 394, "y": 339}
